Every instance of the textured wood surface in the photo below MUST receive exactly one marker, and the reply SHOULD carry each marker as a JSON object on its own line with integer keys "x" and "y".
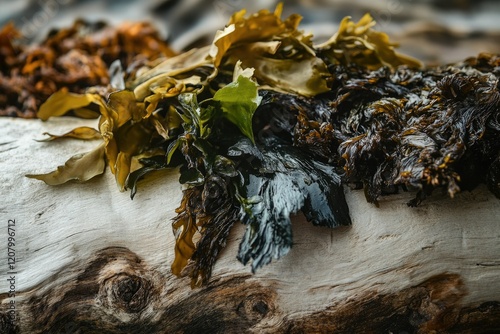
{"x": 90, "y": 260}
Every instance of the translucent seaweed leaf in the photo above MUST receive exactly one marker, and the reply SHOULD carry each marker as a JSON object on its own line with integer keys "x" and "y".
{"x": 85, "y": 113}
{"x": 283, "y": 57}
{"x": 307, "y": 75}
{"x": 81, "y": 168}
{"x": 124, "y": 107}
{"x": 83, "y": 133}
{"x": 168, "y": 70}
{"x": 238, "y": 101}
{"x": 130, "y": 139}
{"x": 358, "y": 43}
{"x": 61, "y": 102}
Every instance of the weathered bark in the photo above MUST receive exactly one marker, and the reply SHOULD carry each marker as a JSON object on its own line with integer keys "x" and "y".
{"x": 90, "y": 260}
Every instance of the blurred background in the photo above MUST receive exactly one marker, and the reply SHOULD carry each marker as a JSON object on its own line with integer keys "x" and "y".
{"x": 435, "y": 31}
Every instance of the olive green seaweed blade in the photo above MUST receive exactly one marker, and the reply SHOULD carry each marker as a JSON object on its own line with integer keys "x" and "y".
{"x": 61, "y": 102}
{"x": 81, "y": 168}
{"x": 82, "y": 133}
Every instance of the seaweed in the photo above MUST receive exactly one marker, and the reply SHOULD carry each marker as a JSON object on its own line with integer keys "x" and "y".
{"x": 264, "y": 124}
{"x": 73, "y": 58}
{"x": 286, "y": 182}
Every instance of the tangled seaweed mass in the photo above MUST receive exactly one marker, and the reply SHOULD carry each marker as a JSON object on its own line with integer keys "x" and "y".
{"x": 75, "y": 58}
{"x": 263, "y": 124}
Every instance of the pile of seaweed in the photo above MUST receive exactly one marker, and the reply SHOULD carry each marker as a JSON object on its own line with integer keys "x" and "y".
{"x": 73, "y": 58}
{"x": 264, "y": 124}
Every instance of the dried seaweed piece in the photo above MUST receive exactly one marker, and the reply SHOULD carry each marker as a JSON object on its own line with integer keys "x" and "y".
{"x": 317, "y": 137}
{"x": 83, "y": 133}
{"x": 369, "y": 155}
{"x": 484, "y": 62}
{"x": 282, "y": 56}
{"x": 404, "y": 128}
{"x": 62, "y": 102}
{"x": 205, "y": 169}
{"x": 358, "y": 43}
{"x": 9, "y": 50}
{"x": 81, "y": 168}
{"x": 184, "y": 228}
{"x": 74, "y": 58}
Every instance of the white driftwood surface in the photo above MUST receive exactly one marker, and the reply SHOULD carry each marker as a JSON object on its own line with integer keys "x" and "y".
{"x": 90, "y": 260}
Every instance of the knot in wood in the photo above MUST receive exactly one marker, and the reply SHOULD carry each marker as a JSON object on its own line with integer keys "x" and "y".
{"x": 254, "y": 307}
{"x": 129, "y": 292}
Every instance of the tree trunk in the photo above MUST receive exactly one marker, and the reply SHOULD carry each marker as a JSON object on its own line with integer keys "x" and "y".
{"x": 90, "y": 260}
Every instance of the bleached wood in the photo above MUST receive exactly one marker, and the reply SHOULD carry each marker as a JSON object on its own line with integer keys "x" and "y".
{"x": 387, "y": 250}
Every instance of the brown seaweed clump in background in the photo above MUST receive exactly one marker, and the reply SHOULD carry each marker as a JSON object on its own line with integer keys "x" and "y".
{"x": 76, "y": 58}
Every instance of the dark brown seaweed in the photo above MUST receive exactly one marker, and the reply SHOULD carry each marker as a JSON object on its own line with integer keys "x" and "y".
{"x": 411, "y": 129}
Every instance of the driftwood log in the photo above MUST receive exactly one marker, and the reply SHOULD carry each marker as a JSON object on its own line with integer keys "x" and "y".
{"x": 90, "y": 260}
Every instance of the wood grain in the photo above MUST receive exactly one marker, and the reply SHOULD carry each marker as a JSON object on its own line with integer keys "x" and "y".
{"x": 90, "y": 260}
